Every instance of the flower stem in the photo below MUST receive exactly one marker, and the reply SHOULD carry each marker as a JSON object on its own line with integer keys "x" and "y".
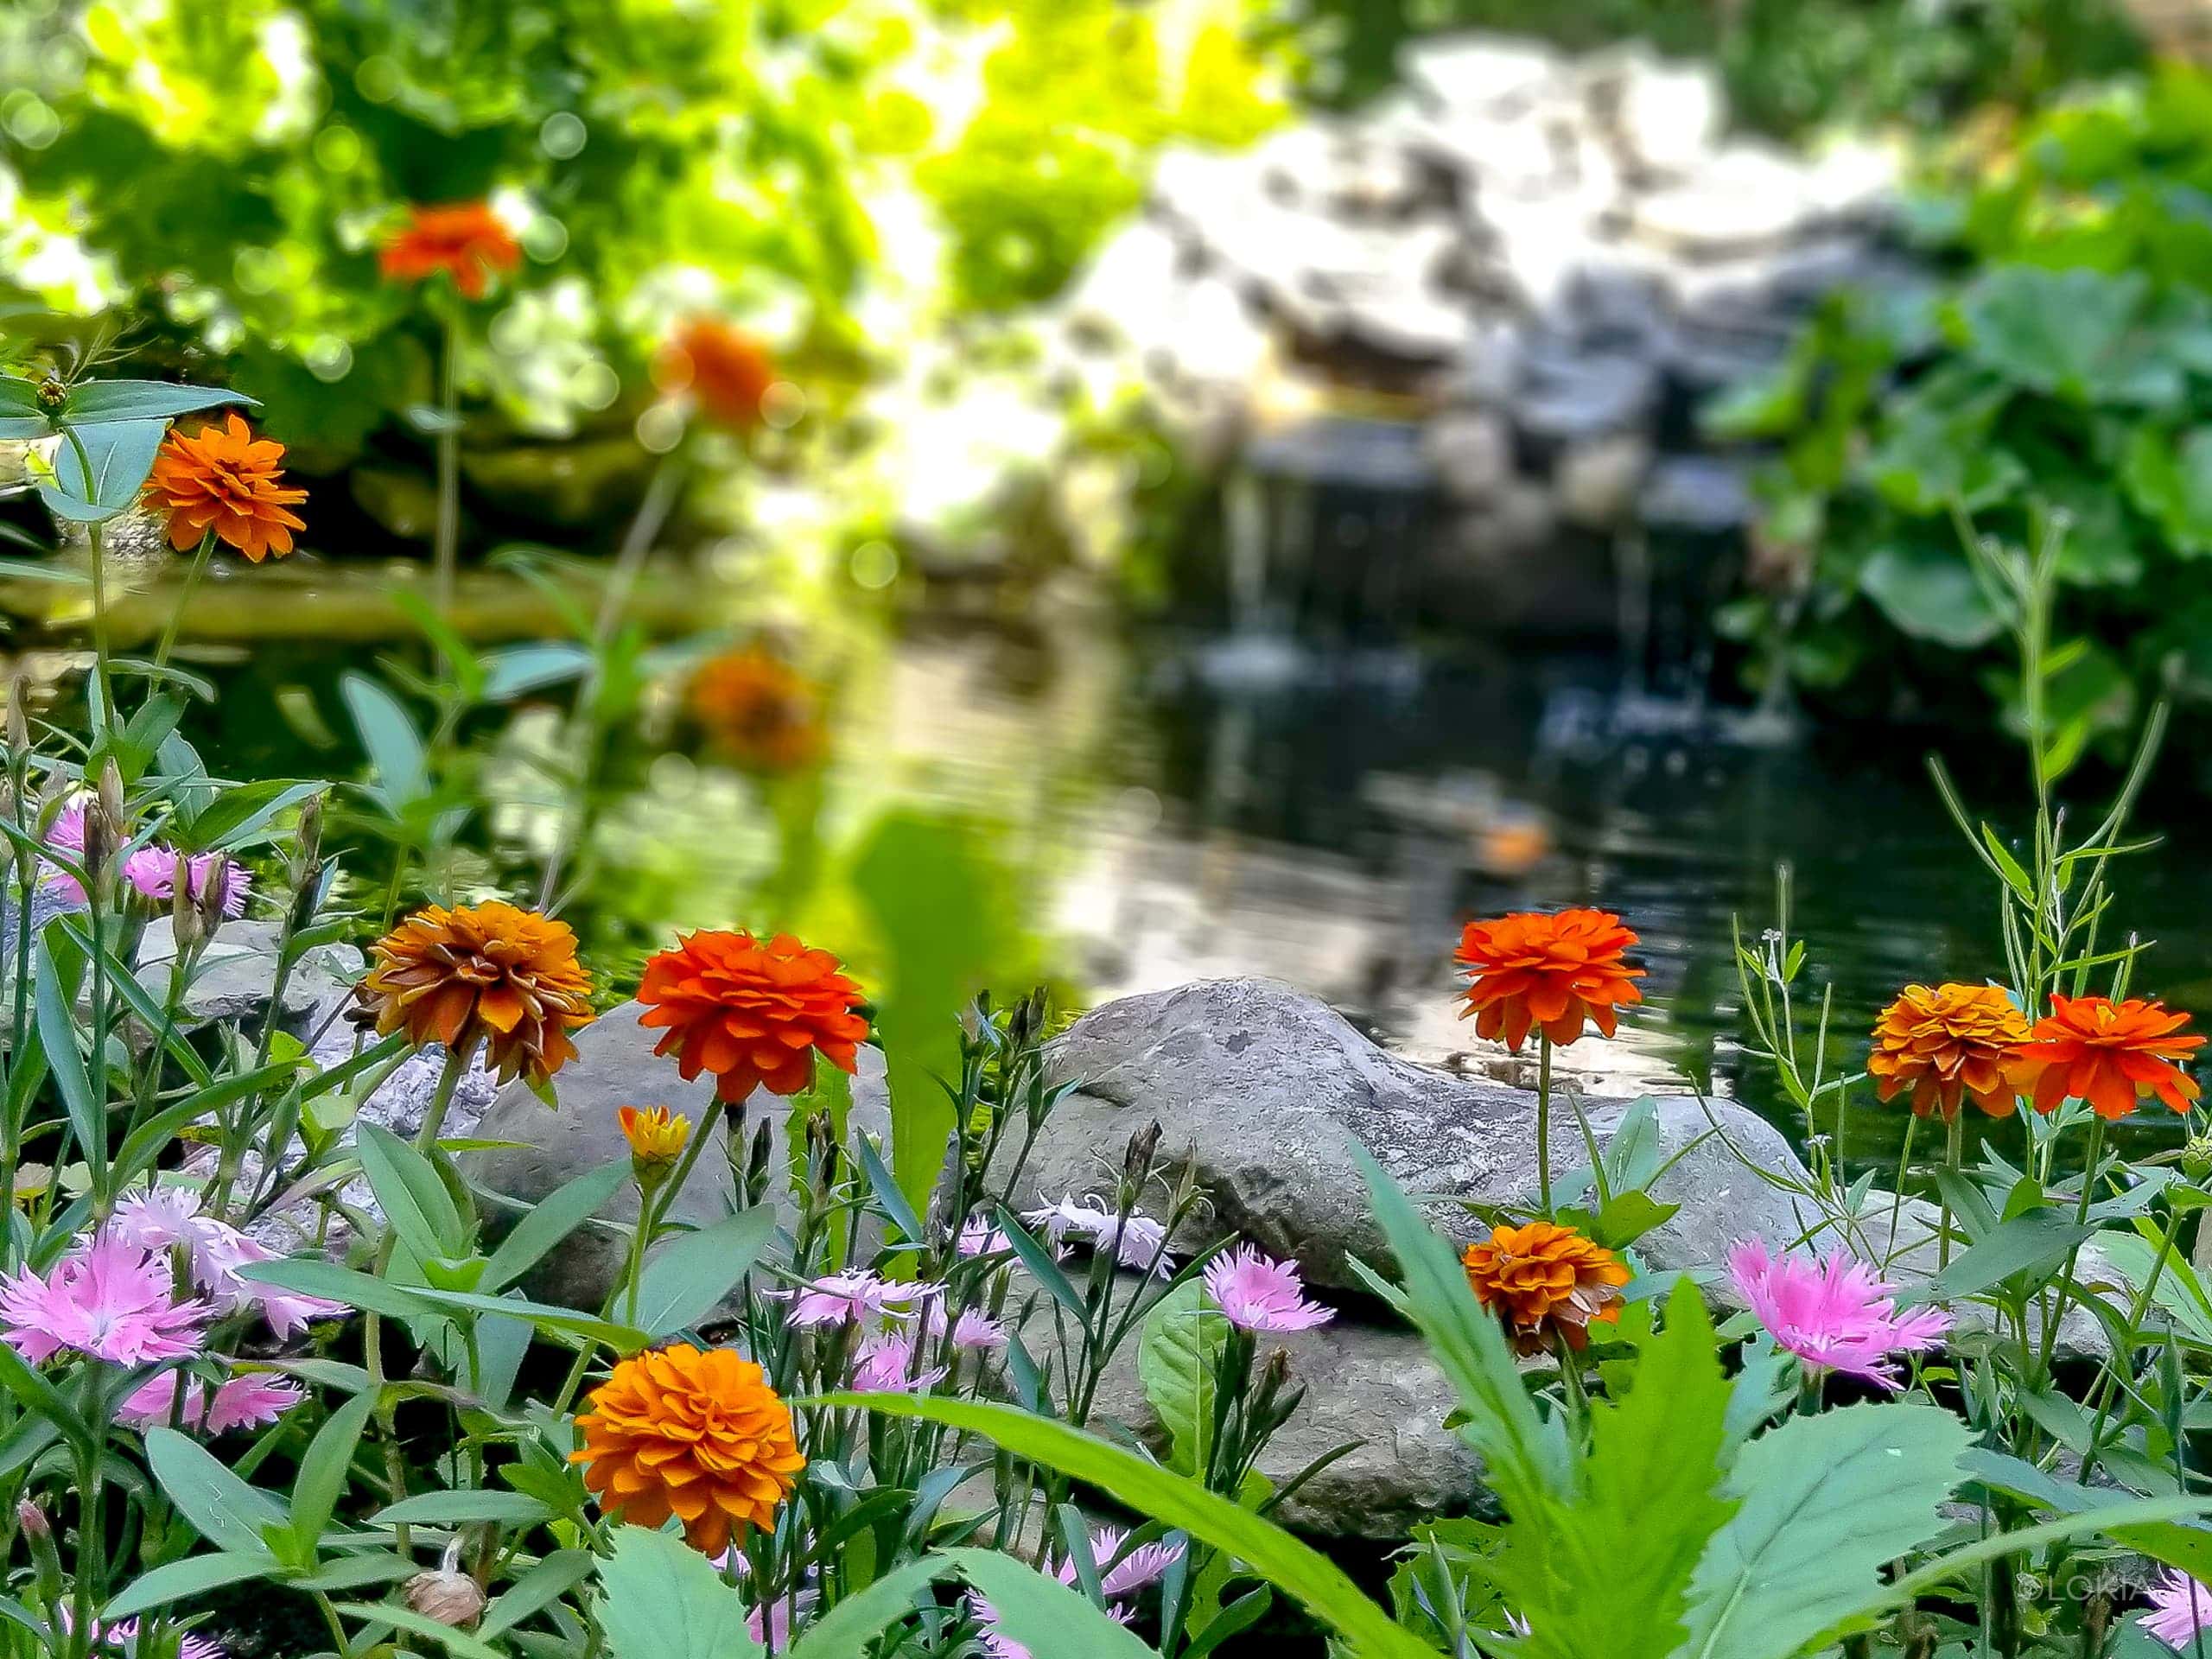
{"x": 1954, "y": 1137}
{"x": 445, "y": 549}
{"x": 1544, "y": 1125}
{"x": 176, "y": 612}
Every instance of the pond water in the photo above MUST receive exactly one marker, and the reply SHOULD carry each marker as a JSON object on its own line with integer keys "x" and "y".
{"x": 1111, "y": 808}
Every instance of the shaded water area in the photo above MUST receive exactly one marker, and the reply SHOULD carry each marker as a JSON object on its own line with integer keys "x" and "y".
{"x": 1113, "y": 808}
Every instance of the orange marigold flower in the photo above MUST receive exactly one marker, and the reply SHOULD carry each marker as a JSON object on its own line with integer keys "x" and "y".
{"x": 654, "y": 1137}
{"x": 2110, "y": 1054}
{"x": 758, "y": 709}
{"x": 223, "y": 478}
{"x": 700, "y": 1436}
{"x": 467, "y": 241}
{"x": 1947, "y": 1043}
{"x": 509, "y": 976}
{"x": 753, "y": 1013}
{"x": 727, "y": 371}
{"x": 1548, "y": 970}
{"x": 1544, "y": 1278}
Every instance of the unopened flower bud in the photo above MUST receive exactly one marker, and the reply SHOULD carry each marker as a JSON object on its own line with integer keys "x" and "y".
{"x": 19, "y": 722}
{"x": 452, "y": 1598}
{"x": 2197, "y": 1157}
{"x": 756, "y": 1164}
{"x": 308, "y": 843}
{"x": 184, "y": 916}
{"x": 657, "y": 1141}
{"x": 1027, "y": 1018}
{"x": 111, "y": 795}
{"x": 1144, "y": 1146}
{"x": 208, "y": 893}
{"x": 32, "y": 1519}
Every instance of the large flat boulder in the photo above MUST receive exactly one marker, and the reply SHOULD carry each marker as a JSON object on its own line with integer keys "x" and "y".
{"x": 1268, "y": 1090}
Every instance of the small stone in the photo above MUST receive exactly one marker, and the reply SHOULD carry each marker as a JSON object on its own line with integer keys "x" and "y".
{"x": 1597, "y": 480}
{"x": 1705, "y": 494}
{"x": 1570, "y": 398}
{"x": 1471, "y": 450}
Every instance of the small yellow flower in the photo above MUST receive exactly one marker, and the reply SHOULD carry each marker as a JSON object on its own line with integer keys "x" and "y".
{"x": 656, "y": 1138}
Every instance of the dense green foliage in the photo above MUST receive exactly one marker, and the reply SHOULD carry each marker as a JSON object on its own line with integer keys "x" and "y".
{"x": 2067, "y": 366}
{"x": 219, "y": 177}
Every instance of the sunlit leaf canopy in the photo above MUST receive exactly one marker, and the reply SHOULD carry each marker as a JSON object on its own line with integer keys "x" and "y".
{"x": 834, "y": 174}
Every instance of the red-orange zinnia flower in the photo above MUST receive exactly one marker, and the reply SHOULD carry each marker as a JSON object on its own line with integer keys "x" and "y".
{"x": 223, "y": 478}
{"x": 1548, "y": 970}
{"x": 1951, "y": 1043}
{"x": 727, "y": 371}
{"x": 698, "y": 1435}
{"x": 467, "y": 241}
{"x": 753, "y": 1013}
{"x": 509, "y": 976}
{"x": 1544, "y": 1278}
{"x": 2110, "y": 1054}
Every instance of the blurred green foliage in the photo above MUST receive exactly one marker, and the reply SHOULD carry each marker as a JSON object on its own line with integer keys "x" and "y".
{"x": 2067, "y": 363}
{"x": 219, "y": 174}
{"x": 1789, "y": 64}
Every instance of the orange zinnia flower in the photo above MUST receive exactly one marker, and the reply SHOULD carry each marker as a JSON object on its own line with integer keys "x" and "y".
{"x": 223, "y": 478}
{"x": 2110, "y": 1054}
{"x": 727, "y": 371}
{"x": 1546, "y": 970}
{"x": 752, "y": 1014}
{"x": 509, "y": 976}
{"x": 1951, "y": 1043}
{"x": 1543, "y": 1279}
{"x": 697, "y": 1435}
{"x": 465, "y": 241}
{"x": 758, "y": 709}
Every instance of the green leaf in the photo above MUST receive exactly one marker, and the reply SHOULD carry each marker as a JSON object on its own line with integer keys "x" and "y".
{"x": 1042, "y": 1614}
{"x": 96, "y": 401}
{"x": 683, "y": 1280}
{"x": 1309, "y": 1576}
{"x": 56, "y": 1015}
{"x": 551, "y": 1219}
{"x": 2169, "y": 477}
{"x": 1618, "y": 1574}
{"x": 120, "y": 457}
{"x": 847, "y": 1629}
{"x": 1825, "y": 1504}
{"x": 308, "y": 1275}
{"x": 458, "y": 1643}
{"x": 320, "y": 1481}
{"x": 412, "y": 1195}
{"x": 2173, "y": 1543}
{"x": 2075, "y": 334}
{"x": 511, "y": 673}
{"x": 1526, "y": 1455}
{"x": 457, "y": 1508}
{"x": 1931, "y": 594}
{"x": 395, "y": 754}
{"x": 239, "y": 812}
{"x": 229, "y": 1514}
{"x": 536, "y": 1590}
{"x": 2024, "y": 1245}
{"x": 193, "y": 1576}
{"x": 664, "y": 1601}
{"x": 1177, "y": 1359}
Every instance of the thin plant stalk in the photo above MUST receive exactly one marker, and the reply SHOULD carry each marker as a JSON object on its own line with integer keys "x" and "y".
{"x": 170, "y": 628}
{"x": 1544, "y": 1124}
{"x": 446, "y": 546}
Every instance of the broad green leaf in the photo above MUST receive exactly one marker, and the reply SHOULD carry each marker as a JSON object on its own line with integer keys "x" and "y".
{"x": 683, "y": 1280}
{"x": 395, "y": 749}
{"x": 511, "y": 673}
{"x": 96, "y": 401}
{"x": 1177, "y": 1358}
{"x": 2027, "y": 1245}
{"x": 664, "y": 1601}
{"x": 460, "y": 1508}
{"x": 458, "y": 1643}
{"x": 1825, "y": 1504}
{"x": 413, "y": 1197}
{"x": 551, "y": 1219}
{"x": 2179, "y": 1293}
{"x": 1527, "y": 1456}
{"x": 56, "y": 1016}
{"x": 1929, "y": 593}
{"x": 193, "y": 1576}
{"x": 536, "y": 1590}
{"x": 847, "y": 1629}
{"x": 2168, "y": 475}
{"x": 2173, "y": 1543}
{"x": 2076, "y": 334}
{"x": 311, "y": 1277}
{"x": 1042, "y": 1614}
{"x": 1621, "y": 1556}
{"x": 1309, "y": 1576}
{"x": 120, "y": 456}
{"x": 234, "y": 815}
{"x": 320, "y": 1481}
{"x": 229, "y": 1514}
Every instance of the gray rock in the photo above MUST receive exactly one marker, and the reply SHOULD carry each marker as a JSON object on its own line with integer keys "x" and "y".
{"x": 1665, "y": 116}
{"x": 1705, "y": 494}
{"x": 237, "y": 973}
{"x": 1570, "y": 397}
{"x": 1373, "y": 1384}
{"x": 1474, "y": 70}
{"x": 615, "y": 1067}
{"x": 1597, "y": 480}
{"x": 1471, "y": 450}
{"x": 1743, "y": 197}
{"x": 1268, "y": 1090}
